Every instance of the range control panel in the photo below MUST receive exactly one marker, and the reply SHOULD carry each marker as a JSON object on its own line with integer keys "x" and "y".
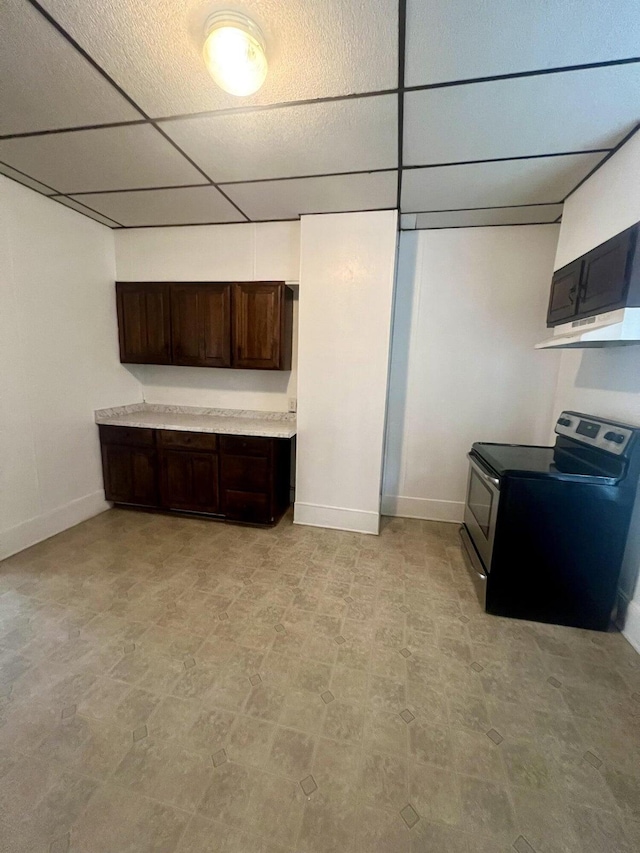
{"x": 604, "y": 435}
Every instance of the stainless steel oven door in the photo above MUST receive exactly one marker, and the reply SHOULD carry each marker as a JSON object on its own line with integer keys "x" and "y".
{"x": 481, "y": 509}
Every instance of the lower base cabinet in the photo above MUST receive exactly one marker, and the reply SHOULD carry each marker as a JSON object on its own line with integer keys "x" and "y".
{"x": 240, "y": 478}
{"x": 189, "y": 481}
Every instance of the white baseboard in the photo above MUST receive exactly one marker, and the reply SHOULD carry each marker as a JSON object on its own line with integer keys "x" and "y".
{"x": 43, "y": 526}
{"x": 631, "y": 627}
{"x": 336, "y": 518}
{"x": 429, "y": 510}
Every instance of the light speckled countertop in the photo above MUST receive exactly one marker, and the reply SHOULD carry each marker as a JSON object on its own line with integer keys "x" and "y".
{"x": 197, "y": 419}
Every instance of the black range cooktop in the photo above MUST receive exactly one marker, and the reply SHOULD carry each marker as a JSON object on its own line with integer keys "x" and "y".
{"x": 559, "y": 462}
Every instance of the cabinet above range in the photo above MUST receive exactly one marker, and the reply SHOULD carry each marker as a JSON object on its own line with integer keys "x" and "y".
{"x": 242, "y": 325}
{"x": 595, "y": 299}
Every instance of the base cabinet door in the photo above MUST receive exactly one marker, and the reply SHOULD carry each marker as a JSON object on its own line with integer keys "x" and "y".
{"x": 189, "y": 481}
{"x": 130, "y": 475}
{"x": 247, "y": 506}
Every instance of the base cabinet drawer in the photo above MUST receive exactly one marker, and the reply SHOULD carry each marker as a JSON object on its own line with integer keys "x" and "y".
{"x": 187, "y": 440}
{"x": 245, "y": 445}
{"x": 246, "y": 506}
{"x": 133, "y": 436}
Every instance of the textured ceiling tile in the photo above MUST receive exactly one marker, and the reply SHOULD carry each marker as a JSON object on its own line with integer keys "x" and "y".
{"x": 339, "y": 136}
{"x": 25, "y": 179}
{"x": 185, "y": 206}
{"x": 572, "y": 111}
{"x": 461, "y": 39}
{"x": 104, "y": 159}
{"x": 46, "y": 83}
{"x": 540, "y": 181}
{"x": 491, "y": 216}
{"x": 86, "y": 211}
{"x": 289, "y": 199}
{"x": 315, "y": 48}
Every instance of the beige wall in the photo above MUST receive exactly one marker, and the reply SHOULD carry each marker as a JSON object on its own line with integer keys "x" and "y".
{"x": 247, "y": 252}
{"x": 605, "y": 381}
{"x": 470, "y": 305}
{"x": 59, "y": 356}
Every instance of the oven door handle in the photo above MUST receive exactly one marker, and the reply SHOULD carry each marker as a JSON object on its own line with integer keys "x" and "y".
{"x": 489, "y": 479}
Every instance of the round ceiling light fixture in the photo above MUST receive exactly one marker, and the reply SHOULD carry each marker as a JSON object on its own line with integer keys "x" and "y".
{"x": 234, "y": 53}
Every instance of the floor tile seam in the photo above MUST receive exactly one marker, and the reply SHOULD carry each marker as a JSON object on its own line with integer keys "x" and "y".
{"x": 112, "y": 782}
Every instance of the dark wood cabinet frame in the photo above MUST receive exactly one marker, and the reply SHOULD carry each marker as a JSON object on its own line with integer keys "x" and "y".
{"x": 237, "y": 478}
{"x": 240, "y": 325}
{"x": 604, "y": 279}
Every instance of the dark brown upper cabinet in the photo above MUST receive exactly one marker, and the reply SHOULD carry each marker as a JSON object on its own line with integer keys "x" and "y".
{"x": 563, "y": 302}
{"x": 245, "y": 325}
{"x": 606, "y": 278}
{"x": 262, "y": 326}
{"x": 201, "y": 324}
{"x": 144, "y": 322}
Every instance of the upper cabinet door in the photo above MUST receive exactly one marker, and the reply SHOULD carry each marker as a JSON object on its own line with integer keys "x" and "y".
{"x": 563, "y": 302}
{"x": 262, "y": 314}
{"x": 144, "y": 322}
{"x": 606, "y": 274}
{"x": 201, "y": 324}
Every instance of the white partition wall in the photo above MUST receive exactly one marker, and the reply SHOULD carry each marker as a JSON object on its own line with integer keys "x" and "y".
{"x": 347, "y": 264}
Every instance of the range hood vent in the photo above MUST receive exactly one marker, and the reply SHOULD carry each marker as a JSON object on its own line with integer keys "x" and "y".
{"x": 615, "y": 328}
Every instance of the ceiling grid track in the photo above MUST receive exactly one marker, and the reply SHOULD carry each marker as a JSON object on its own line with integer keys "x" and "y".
{"x": 235, "y": 199}
{"x": 402, "y": 41}
{"x": 122, "y": 92}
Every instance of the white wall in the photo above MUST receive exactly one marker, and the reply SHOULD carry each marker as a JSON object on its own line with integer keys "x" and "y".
{"x": 605, "y": 381}
{"x": 470, "y": 305}
{"x": 347, "y": 266}
{"x": 59, "y": 356}
{"x": 248, "y": 252}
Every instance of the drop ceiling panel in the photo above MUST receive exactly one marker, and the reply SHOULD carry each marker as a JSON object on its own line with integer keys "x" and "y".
{"x": 574, "y": 111}
{"x": 461, "y": 39}
{"x": 540, "y": 181}
{"x": 180, "y": 206}
{"x": 492, "y": 216}
{"x": 46, "y": 83}
{"x": 104, "y": 159}
{"x": 315, "y": 48}
{"x": 81, "y": 208}
{"x": 25, "y": 179}
{"x": 339, "y": 136}
{"x": 289, "y": 199}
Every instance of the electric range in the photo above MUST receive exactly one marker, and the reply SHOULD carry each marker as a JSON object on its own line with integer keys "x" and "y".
{"x": 545, "y": 528}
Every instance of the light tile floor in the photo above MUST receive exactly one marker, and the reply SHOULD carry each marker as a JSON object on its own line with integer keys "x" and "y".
{"x": 172, "y": 684}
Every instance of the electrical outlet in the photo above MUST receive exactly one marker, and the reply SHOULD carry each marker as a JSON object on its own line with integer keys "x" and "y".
{"x": 293, "y": 404}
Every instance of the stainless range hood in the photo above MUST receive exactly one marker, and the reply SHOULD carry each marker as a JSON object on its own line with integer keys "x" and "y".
{"x": 615, "y": 328}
